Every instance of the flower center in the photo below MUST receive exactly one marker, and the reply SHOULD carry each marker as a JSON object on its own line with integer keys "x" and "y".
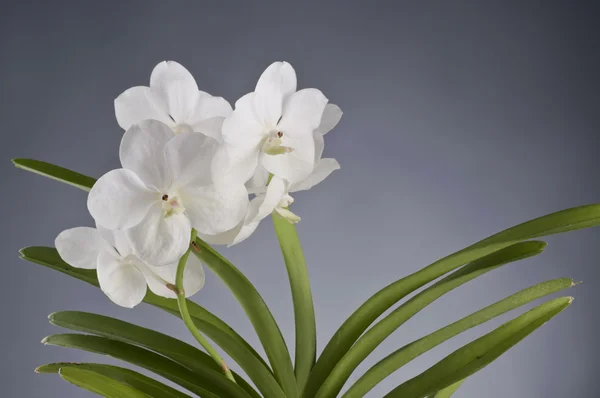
{"x": 171, "y": 205}
{"x": 183, "y": 128}
{"x": 272, "y": 145}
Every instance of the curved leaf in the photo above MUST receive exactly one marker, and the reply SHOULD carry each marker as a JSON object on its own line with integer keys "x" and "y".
{"x": 128, "y": 377}
{"x": 180, "y": 352}
{"x": 380, "y": 331}
{"x": 562, "y": 221}
{"x": 207, "y": 383}
{"x": 476, "y": 355}
{"x": 257, "y": 311}
{"x": 304, "y": 312}
{"x": 217, "y": 330}
{"x": 100, "y": 384}
{"x": 56, "y": 173}
{"x": 448, "y": 391}
{"x": 261, "y": 373}
{"x": 404, "y": 355}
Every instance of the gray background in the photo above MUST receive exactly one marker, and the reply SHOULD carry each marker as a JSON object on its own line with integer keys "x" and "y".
{"x": 461, "y": 118}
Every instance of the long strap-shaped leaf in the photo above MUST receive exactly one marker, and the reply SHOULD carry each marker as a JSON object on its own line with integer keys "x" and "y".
{"x": 100, "y": 384}
{"x": 56, "y": 173}
{"x": 217, "y": 330}
{"x": 402, "y": 356}
{"x": 448, "y": 391}
{"x": 304, "y": 312}
{"x": 208, "y": 383}
{"x": 138, "y": 381}
{"x": 261, "y": 318}
{"x": 269, "y": 334}
{"x": 176, "y": 350}
{"x": 476, "y": 355}
{"x": 562, "y": 221}
{"x": 379, "y": 332}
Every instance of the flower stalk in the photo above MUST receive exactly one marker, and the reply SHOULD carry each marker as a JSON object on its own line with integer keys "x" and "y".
{"x": 185, "y": 315}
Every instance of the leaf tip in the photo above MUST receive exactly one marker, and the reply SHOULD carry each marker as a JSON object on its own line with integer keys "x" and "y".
{"x": 45, "y": 340}
{"x": 570, "y": 299}
{"x": 573, "y": 283}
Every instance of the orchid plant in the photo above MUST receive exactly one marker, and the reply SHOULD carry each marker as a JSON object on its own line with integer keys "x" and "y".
{"x": 197, "y": 172}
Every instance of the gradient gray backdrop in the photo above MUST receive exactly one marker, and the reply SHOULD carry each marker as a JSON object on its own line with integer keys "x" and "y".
{"x": 461, "y": 118}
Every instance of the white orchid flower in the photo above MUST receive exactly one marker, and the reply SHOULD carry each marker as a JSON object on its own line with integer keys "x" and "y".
{"x": 174, "y": 99}
{"x": 163, "y": 190}
{"x": 123, "y": 276}
{"x": 275, "y": 197}
{"x": 272, "y": 127}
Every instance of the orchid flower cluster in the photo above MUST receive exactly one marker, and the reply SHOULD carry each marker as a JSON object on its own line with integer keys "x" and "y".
{"x": 190, "y": 161}
{"x": 197, "y": 172}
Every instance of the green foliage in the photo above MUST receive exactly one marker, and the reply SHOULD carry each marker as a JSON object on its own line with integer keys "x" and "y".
{"x": 135, "y": 380}
{"x": 56, "y": 173}
{"x": 358, "y": 336}
{"x": 100, "y": 384}
{"x": 479, "y": 353}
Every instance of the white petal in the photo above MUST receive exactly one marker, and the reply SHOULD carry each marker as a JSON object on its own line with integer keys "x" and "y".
{"x": 189, "y": 156}
{"x": 262, "y": 206}
{"x": 321, "y": 171}
{"x": 296, "y": 165}
{"x": 193, "y": 278}
{"x": 245, "y": 231}
{"x": 331, "y": 117}
{"x": 142, "y": 151}
{"x": 302, "y": 112}
{"x": 243, "y": 126}
{"x": 279, "y": 77}
{"x": 275, "y": 84}
{"x": 319, "y": 146}
{"x": 215, "y": 208}
{"x": 225, "y": 238}
{"x": 117, "y": 239}
{"x": 119, "y": 199}
{"x": 258, "y": 181}
{"x": 137, "y": 104}
{"x": 208, "y": 107}
{"x": 80, "y": 246}
{"x": 235, "y": 163}
{"x": 210, "y": 127}
{"x": 177, "y": 88}
{"x": 160, "y": 240}
{"x": 123, "y": 283}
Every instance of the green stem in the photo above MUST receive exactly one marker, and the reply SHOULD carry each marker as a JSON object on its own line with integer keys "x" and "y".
{"x": 187, "y": 319}
{"x": 304, "y": 313}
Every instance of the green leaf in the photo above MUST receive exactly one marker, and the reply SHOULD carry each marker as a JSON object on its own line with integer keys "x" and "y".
{"x": 128, "y": 377}
{"x": 448, "y": 391}
{"x": 562, "y": 221}
{"x": 217, "y": 330}
{"x": 115, "y": 329}
{"x": 476, "y": 355}
{"x": 100, "y": 384}
{"x": 208, "y": 383}
{"x": 304, "y": 312}
{"x": 257, "y": 311}
{"x": 379, "y": 332}
{"x": 404, "y": 355}
{"x": 56, "y": 173}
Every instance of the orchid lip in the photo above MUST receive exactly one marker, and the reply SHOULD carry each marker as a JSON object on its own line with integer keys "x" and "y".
{"x": 272, "y": 144}
{"x": 182, "y": 128}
